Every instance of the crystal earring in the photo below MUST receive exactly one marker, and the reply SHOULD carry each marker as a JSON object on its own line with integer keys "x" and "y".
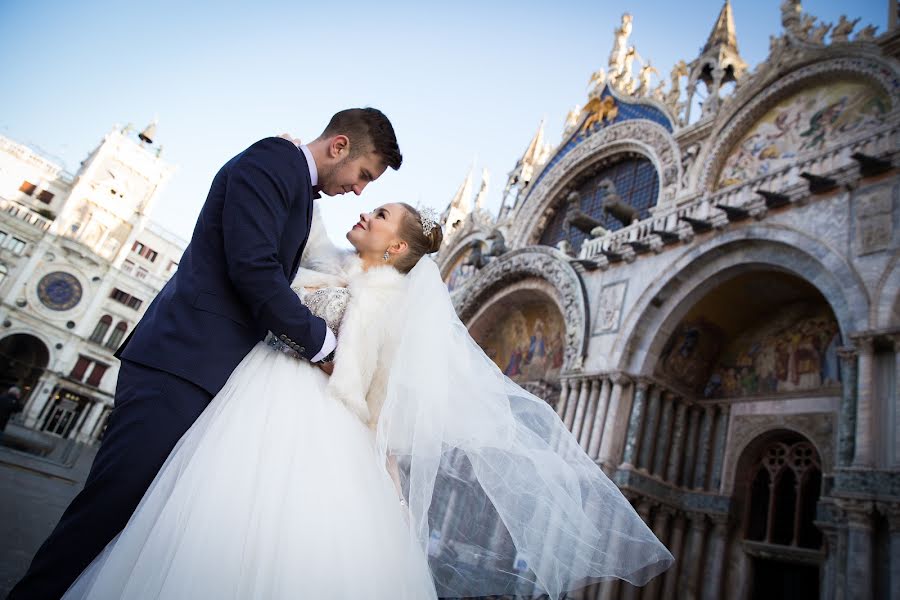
{"x": 386, "y": 256}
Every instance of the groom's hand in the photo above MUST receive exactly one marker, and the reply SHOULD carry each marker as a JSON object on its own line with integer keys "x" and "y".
{"x": 328, "y": 367}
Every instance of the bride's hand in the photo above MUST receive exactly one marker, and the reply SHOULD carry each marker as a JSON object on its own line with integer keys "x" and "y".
{"x": 291, "y": 139}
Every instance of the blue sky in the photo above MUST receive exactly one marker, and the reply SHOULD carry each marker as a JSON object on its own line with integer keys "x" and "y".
{"x": 462, "y": 81}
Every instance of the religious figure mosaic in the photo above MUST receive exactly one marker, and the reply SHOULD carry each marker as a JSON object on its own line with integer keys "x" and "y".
{"x": 805, "y": 123}
{"x": 528, "y": 344}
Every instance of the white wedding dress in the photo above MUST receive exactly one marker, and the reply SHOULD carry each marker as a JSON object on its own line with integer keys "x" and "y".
{"x": 285, "y": 485}
{"x": 275, "y": 492}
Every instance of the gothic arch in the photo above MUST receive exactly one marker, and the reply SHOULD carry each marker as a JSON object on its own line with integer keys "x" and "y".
{"x": 886, "y": 307}
{"x": 660, "y": 308}
{"x": 638, "y": 136}
{"x": 542, "y": 263}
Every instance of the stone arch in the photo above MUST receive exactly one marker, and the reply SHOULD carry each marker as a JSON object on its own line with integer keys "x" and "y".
{"x": 542, "y": 263}
{"x": 639, "y": 136}
{"x": 752, "y": 432}
{"x": 24, "y": 356}
{"x": 735, "y": 123}
{"x": 886, "y": 307}
{"x": 651, "y": 321}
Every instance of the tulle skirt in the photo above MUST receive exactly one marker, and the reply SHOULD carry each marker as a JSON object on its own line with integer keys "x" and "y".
{"x": 275, "y": 492}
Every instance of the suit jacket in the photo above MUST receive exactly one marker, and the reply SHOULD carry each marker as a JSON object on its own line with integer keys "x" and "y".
{"x": 233, "y": 281}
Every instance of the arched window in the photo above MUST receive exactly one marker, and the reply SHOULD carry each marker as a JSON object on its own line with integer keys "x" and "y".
{"x": 634, "y": 179}
{"x": 785, "y": 486}
{"x": 101, "y": 329}
{"x": 116, "y": 338}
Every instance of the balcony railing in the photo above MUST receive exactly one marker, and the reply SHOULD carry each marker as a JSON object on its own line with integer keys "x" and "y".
{"x": 23, "y": 213}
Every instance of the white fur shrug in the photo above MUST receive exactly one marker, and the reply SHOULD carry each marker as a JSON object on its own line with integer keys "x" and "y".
{"x": 366, "y": 341}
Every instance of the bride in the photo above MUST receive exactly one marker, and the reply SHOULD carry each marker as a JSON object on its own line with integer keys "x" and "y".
{"x": 416, "y": 470}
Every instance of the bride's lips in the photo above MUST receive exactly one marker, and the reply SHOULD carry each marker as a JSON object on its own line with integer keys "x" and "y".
{"x": 360, "y": 225}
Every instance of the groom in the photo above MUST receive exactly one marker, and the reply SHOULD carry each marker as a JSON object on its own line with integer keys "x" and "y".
{"x": 232, "y": 287}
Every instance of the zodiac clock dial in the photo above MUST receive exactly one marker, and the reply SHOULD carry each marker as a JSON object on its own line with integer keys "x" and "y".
{"x": 59, "y": 290}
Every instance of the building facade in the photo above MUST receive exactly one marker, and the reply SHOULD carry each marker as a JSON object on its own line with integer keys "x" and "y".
{"x": 709, "y": 294}
{"x": 79, "y": 263}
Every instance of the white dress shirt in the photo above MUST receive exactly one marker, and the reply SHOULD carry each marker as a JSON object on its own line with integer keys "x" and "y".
{"x": 330, "y": 342}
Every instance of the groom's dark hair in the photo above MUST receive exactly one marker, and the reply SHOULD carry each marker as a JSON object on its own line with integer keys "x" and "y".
{"x": 369, "y": 131}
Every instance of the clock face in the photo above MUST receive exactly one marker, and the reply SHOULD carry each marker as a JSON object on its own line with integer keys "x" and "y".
{"x": 59, "y": 290}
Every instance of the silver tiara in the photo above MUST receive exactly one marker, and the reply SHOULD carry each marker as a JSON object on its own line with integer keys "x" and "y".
{"x": 429, "y": 219}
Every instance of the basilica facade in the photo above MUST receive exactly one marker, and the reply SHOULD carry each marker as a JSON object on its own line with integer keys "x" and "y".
{"x": 708, "y": 292}
{"x": 80, "y": 261}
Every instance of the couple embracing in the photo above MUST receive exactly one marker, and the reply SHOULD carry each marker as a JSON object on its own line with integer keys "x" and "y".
{"x": 293, "y": 420}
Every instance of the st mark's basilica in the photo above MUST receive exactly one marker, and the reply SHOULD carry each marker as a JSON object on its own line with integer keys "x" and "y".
{"x": 709, "y": 294}
{"x": 702, "y": 276}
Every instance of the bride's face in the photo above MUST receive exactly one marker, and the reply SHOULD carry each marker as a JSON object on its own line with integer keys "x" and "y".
{"x": 378, "y": 231}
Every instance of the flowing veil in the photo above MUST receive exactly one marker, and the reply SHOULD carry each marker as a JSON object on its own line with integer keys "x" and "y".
{"x": 500, "y": 494}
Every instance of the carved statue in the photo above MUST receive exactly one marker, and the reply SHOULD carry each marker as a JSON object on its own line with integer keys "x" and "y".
{"x": 476, "y": 258}
{"x": 600, "y": 110}
{"x": 646, "y": 71}
{"x": 659, "y": 92}
{"x": 598, "y": 79}
{"x": 577, "y": 218}
{"x": 866, "y": 34}
{"x": 687, "y": 161}
{"x": 790, "y": 14}
{"x": 625, "y": 80}
{"x": 615, "y": 206}
{"x": 620, "y": 48}
{"x": 496, "y": 244}
{"x": 804, "y": 30}
{"x": 572, "y": 119}
{"x": 842, "y": 31}
{"x": 674, "y": 96}
{"x": 818, "y": 34}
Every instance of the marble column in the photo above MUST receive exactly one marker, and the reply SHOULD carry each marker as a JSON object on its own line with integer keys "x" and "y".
{"x": 665, "y": 434}
{"x": 651, "y": 421}
{"x": 830, "y": 566}
{"x": 859, "y": 548}
{"x": 865, "y": 404}
{"x": 673, "y": 470}
{"x": 616, "y": 422}
{"x": 693, "y": 559}
{"x": 635, "y": 423}
{"x": 671, "y": 587}
{"x": 84, "y": 432}
{"x": 588, "y": 428}
{"x": 95, "y": 432}
{"x": 563, "y": 397}
{"x": 847, "y": 417}
{"x": 690, "y": 447}
{"x": 73, "y": 432}
{"x": 715, "y": 558}
{"x": 704, "y": 446}
{"x": 600, "y": 418}
{"x": 718, "y": 453}
{"x": 40, "y": 400}
{"x": 584, "y": 387}
{"x": 629, "y": 591}
{"x": 892, "y": 512}
{"x": 661, "y": 529}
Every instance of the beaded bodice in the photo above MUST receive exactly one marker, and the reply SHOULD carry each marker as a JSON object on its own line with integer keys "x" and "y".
{"x": 326, "y": 303}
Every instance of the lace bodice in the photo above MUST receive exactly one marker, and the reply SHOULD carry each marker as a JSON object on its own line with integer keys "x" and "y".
{"x": 327, "y": 303}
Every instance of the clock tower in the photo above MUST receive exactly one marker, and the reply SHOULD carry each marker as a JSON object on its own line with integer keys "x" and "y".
{"x": 113, "y": 193}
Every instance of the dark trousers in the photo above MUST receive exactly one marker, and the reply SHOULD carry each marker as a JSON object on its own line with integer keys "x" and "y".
{"x": 152, "y": 411}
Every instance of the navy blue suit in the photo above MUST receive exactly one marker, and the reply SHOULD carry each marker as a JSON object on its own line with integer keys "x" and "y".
{"x": 231, "y": 287}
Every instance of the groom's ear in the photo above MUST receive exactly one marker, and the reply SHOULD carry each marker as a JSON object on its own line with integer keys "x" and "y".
{"x": 339, "y": 147}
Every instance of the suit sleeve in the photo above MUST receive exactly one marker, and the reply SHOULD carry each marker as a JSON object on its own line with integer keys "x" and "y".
{"x": 262, "y": 186}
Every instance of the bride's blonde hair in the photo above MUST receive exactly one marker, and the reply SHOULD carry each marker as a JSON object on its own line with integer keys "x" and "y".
{"x": 418, "y": 243}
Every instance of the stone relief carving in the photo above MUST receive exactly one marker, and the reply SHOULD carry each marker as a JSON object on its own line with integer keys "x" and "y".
{"x": 609, "y": 307}
{"x": 874, "y": 221}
